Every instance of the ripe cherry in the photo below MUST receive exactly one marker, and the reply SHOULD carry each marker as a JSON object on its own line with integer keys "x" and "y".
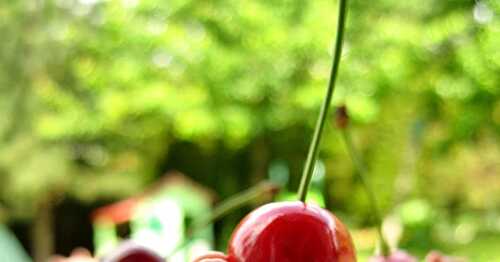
{"x": 290, "y": 232}
{"x": 130, "y": 252}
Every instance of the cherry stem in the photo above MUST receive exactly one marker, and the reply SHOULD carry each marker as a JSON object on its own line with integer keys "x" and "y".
{"x": 234, "y": 202}
{"x": 315, "y": 142}
{"x": 361, "y": 173}
{"x": 226, "y": 207}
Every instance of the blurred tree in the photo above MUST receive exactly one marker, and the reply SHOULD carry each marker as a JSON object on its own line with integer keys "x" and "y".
{"x": 97, "y": 94}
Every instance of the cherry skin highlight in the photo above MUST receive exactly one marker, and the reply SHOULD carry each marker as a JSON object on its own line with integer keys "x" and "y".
{"x": 290, "y": 232}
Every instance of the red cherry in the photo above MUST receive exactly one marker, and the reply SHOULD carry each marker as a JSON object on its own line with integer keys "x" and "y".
{"x": 130, "y": 252}
{"x": 290, "y": 232}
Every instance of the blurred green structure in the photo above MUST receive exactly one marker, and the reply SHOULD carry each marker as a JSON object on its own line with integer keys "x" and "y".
{"x": 157, "y": 219}
{"x": 10, "y": 248}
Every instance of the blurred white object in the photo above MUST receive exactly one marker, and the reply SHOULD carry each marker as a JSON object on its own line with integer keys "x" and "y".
{"x": 392, "y": 230}
{"x": 398, "y": 256}
{"x": 158, "y": 225}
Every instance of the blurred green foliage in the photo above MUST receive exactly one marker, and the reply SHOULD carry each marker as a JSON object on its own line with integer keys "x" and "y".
{"x": 99, "y": 97}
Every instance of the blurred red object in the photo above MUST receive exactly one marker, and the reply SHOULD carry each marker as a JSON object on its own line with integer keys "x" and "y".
{"x": 212, "y": 257}
{"x": 119, "y": 212}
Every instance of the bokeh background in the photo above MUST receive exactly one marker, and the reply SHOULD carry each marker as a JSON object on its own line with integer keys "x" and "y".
{"x": 99, "y": 98}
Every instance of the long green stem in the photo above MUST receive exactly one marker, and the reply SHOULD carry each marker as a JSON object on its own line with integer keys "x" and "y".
{"x": 225, "y": 208}
{"x": 361, "y": 173}
{"x": 233, "y": 203}
{"x": 313, "y": 148}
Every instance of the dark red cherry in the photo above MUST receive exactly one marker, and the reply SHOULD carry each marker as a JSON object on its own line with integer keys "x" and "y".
{"x": 290, "y": 232}
{"x": 130, "y": 252}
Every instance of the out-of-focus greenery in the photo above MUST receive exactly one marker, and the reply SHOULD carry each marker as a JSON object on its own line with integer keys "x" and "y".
{"x": 99, "y": 97}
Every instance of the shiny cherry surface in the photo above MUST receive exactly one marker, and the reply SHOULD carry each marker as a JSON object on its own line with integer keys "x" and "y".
{"x": 290, "y": 232}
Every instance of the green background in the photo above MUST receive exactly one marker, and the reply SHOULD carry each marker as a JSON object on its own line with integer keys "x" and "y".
{"x": 100, "y": 98}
